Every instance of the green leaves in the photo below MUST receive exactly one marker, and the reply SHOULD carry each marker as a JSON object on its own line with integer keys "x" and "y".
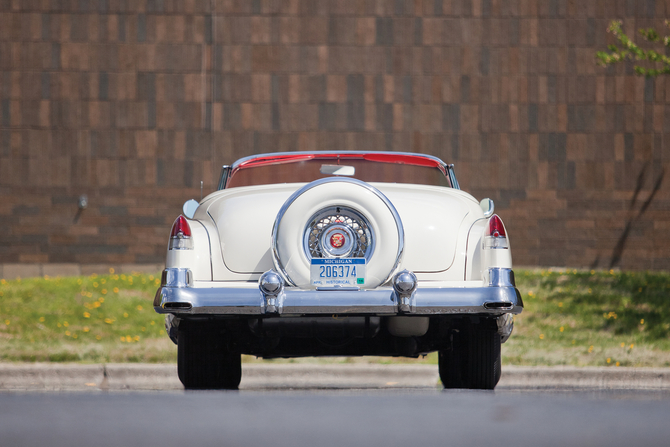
{"x": 660, "y": 64}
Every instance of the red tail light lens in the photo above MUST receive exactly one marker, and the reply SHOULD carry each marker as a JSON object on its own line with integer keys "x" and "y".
{"x": 495, "y": 236}
{"x": 180, "y": 236}
{"x": 496, "y": 227}
{"x": 180, "y": 226}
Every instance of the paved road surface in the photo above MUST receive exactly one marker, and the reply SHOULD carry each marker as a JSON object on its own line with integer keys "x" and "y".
{"x": 331, "y": 405}
{"x": 407, "y": 417}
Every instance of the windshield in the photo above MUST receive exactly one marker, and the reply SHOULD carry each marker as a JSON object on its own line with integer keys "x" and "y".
{"x": 305, "y": 171}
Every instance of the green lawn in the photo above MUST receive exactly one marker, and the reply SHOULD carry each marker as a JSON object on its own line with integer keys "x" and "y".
{"x": 572, "y": 317}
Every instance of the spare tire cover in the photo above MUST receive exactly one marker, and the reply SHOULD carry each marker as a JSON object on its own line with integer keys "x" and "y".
{"x": 367, "y": 212}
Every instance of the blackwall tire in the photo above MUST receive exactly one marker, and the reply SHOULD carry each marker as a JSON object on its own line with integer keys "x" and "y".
{"x": 204, "y": 362}
{"x": 484, "y": 362}
{"x": 474, "y": 360}
{"x": 289, "y": 255}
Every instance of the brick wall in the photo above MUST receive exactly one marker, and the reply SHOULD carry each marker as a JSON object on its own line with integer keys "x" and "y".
{"x": 133, "y": 103}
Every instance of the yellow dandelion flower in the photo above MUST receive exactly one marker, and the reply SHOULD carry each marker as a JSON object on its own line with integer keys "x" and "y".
{"x": 153, "y": 322}
{"x": 66, "y": 324}
{"x": 116, "y": 290}
{"x": 83, "y": 293}
{"x": 75, "y": 336}
{"x": 560, "y": 304}
{"x": 129, "y": 338}
{"x": 7, "y": 322}
{"x": 139, "y": 307}
{"x": 116, "y": 277}
{"x": 3, "y": 282}
{"x": 642, "y": 321}
{"x": 151, "y": 277}
{"x": 612, "y": 273}
{"x": 574, "y": 272}
{"x": 623, "y": 344}
{"x": 41, "y": 319}
{"x": 86, "y": 329}
{"x": 95, "y": 284}
{"x": 593, "y": 272}
{"x": 125, "y": 315}
{"x": 101, "y": 299}
{"x": 89, "y": 294}
{"x": 103, "y": 281}
{"x": 109, "y": 321}
{"x": 561, "y": 328}
{"x": 590, "y": 349}
{"x": 87, "y": 315}
{"x": 58, "y": 324}
{"x": 104, "y": 291}
{"x": 632, "y": 345}
{"x": 136, "y": 338}
{"x": 531, "y": 293}
{"x": 98, "y": 337}
{"x": 67, "y": 333}
{"x": 96, "y": 304}
{"x": 541, "y": 336}
{"x": 123, "y": 277}
{"x": 618, "y": 364}
{"x": 93, "y": 276}
{"x": 143, "y": 329}
{"x": 609, "y": 360}
{"x": 590, "y": 291}
{"x": 574, "y": 341}
{"x": 111, "y": 271}
{"x": 123, "y": 339}
{"x": 157, "y": 282}
{"x": 46, "y": 277}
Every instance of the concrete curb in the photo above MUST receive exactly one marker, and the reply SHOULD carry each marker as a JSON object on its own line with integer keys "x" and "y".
{"x": 64, "y": 377}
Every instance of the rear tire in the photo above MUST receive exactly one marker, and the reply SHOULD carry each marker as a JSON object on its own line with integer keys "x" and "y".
{"x": 205, "y": 362}
{"x": 473, "y": 362}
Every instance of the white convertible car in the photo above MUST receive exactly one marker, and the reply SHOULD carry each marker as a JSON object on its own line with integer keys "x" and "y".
{"x": 339, "y": 254}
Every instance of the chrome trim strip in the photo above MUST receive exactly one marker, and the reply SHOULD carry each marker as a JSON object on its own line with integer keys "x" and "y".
{"x": 452, "y": 176}
{"x": 275, "y": 228}
{"x": 225, "y": 172}
{"x": 426, "y": 301}
{"x": 242, "y": 160}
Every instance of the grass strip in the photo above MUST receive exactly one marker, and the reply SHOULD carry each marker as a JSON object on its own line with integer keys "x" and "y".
{"x": 572, "y": 317}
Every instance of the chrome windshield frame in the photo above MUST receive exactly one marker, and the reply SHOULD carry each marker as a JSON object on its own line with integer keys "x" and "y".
{"x": 228, "y": 170}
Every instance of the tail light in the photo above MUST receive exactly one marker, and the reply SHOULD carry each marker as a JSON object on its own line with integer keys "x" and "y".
{"x": 180, "y": 236}
{"x": 495, "y": 236}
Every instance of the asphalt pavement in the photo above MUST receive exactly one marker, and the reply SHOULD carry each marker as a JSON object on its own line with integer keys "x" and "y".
{"x": 301, "y": 405}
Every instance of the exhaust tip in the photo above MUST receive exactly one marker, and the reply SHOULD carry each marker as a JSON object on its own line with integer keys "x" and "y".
{"x": 177, "y": 306}
{"x": 504, "y": 305}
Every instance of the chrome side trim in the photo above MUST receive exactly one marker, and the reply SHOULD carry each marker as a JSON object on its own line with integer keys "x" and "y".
{"x": 382, "y": 301}
{"x": 275, "y": 228}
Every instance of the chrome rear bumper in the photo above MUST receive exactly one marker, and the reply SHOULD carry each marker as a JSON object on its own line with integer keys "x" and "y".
{"x": 501, "y": 297}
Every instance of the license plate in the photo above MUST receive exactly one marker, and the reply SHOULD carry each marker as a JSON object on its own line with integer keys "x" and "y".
{"x": 338, "y": 272}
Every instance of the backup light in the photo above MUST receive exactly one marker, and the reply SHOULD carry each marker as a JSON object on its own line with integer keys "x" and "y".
{"x": 180, "y": 236}
{"x": 495, "y": 236}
